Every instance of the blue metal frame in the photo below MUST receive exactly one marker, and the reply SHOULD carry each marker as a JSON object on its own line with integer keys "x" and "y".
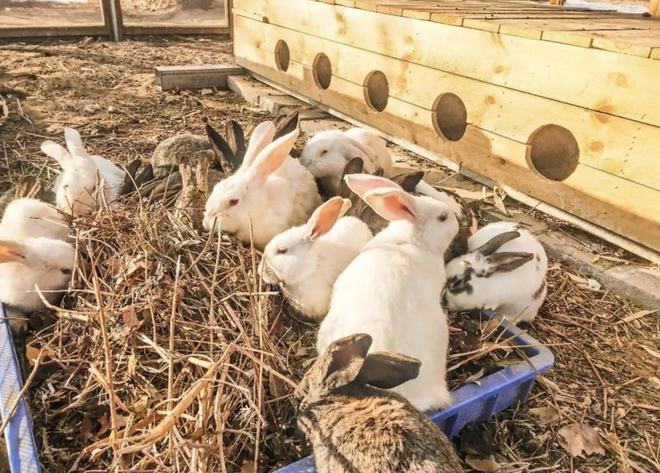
{"x": 19, "y": 437}
{"x": 479, "y": 402}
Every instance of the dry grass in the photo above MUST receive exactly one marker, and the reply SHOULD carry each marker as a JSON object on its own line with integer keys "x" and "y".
{"x": 225, "y": 349}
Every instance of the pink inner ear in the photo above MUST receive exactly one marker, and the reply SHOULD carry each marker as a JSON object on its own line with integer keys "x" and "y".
{"x": 325, "y": 217}
{"x": 9, "y": 253}
{"x": 392, "y": 204}
{"x": 363, "y": 183}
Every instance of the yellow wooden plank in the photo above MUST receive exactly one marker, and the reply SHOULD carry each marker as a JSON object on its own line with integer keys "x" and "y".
{"x": 590, "y": 78}
{"x": 622, "y": 206}
{"x": 610, "y": 143}
{"x": 637, "y": 43}
{"x": 655, "y": 53}
{"x": 418, "y": 14}
{"x": 484, "y": 25}
{"x": 522, "y": 31}
{"x": 446, "y": 19}
{"x": 567, "y": 37}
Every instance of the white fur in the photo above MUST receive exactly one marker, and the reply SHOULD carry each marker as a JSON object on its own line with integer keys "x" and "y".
{"x": 309, "y": 268}
{"x": 32, "y": 218}
{"x": 268, "y": 202}
{"x": 77, "y": 188}
{"x": 42, "y": 263}
{"x": 326, "y": 154}
{"x": 391, "y": 291}
{"x": 511, "y": 293}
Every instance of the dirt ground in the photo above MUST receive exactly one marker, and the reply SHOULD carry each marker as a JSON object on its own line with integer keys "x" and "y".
{"x": 607, "y": 351}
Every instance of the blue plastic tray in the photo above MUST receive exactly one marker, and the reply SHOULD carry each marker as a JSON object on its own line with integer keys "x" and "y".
{"x": 475, "y": 403}
{"x": 19, "y": 438}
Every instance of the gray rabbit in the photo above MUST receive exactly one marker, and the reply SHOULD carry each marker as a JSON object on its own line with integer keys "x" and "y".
{"x": 355, "y": 425}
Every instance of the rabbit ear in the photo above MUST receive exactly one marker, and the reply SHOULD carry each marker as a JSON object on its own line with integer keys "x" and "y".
{"x": 507, "y": 261}
{"x": 363, "y": 183}
{"x": 392, "y": 204}
{"x": 354, "y": 166}
{"x": 146, "y": 175}
{"x": 236, "y": 140}
{"x": 359, "y": 149}
{"x": 55, "y": 151}
{"x": 74, "y": 143}
{"x": 272, "y": 156}
{"x": 261, "y": 137}
{"x": 286, "y": 124}
{"x": 12, "y": 251}
{"x": 221, "y": 149}
{"x": 342, "y": 361}
{"x": 325, "y": 217}
{"x": 494, "y": 244}
{"x": 409, "y": 181}
{"x": 388, "y": 370}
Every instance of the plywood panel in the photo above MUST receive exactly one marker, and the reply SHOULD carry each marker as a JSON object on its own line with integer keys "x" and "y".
{"x": 608, "y": 143}
{"x": 595, "y": 79}
{"x": 622, "y": 206}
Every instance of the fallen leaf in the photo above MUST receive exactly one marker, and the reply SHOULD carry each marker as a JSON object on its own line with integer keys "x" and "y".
{"x": 498, "y": 197}
{"x": 546, "y": 414}
{"x": 637, "y": 315}
{"x": 578, "y": 438}
{"x": 475, "y": 377}
{"x": 248, "y": 467}
{"x": 488, "y": 464}
{"x": 32, "y": 353}
{"x": 130, "y": 319}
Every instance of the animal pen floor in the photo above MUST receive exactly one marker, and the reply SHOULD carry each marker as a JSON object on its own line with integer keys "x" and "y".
{"x": 606, "y": 373}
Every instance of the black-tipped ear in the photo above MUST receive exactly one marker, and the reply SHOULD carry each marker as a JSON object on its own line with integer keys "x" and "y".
{"x": 492, "y": 245}
{"x": 343, "y": 360}
{"x": 129, "y": 179}
{"x": 354, "y": 166}
{"x": 223, "y": 153}
{"x": 408, "y": 182}
{"x": 388, "y": 370}
{"x": 507, "y": 261}
{"x": 236, "y": 140}
{"x": 132, "y": 168}
{"x": 146, "y": 175}
{"x": 285, "y": 124}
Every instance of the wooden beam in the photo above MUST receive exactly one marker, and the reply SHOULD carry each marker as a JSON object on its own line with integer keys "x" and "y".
{"x": 62, "y": 31}
{"x": 654, "y": 7}
{"x": 196, "y": 76}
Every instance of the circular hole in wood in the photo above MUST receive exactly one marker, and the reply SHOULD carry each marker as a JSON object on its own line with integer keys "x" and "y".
{"x": 553, "y": 152}
{"x": 376, "y": 90}
{"x": 449, "y": 117}
{"x": 322, "y": 69}
{"x": 282, "y": 55}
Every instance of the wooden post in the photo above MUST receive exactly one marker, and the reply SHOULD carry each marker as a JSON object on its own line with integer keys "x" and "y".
{"x": 230, "y": 18}
{"x": 113, "y": 18}
{"x": 654, "y": 7}
{"x": 559, "y": 2}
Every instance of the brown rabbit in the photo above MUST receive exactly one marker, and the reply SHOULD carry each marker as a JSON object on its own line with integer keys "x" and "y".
{"x": 355, "y": 425}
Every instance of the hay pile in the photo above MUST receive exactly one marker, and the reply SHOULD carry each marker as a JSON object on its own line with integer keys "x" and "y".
{"x": 170, "y": 357}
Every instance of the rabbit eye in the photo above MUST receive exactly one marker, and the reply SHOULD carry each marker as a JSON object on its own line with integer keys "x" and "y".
{"x": 442, "y": 217}
{"x": 324, "y": 152}
{"x": 281, "y": 251}
{"x": 65, "y": 271}
{"x": 233, "y": 202}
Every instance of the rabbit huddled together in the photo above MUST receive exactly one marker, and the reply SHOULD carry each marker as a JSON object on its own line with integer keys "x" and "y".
{"x": 375, "y": 257}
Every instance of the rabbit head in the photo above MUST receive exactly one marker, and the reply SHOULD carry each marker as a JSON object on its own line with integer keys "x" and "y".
{"x": 39, "y": 253}
{"x": 429, "y": 223}
{"x": 326, "y": 154}
{"x": 345, "y": 365}
{"x": 291, "y": 257}
{"x": 240, "y": 202}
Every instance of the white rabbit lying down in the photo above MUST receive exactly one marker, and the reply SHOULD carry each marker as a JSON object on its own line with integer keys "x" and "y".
{"x": 327, "y": 153}
{"x": 505, "y": 271}
{"x": 391, "y": 290}
{"x": 269, "y": 193}
{"x": 32, "y": 218}
{"x": 42, "y": 262}
{"x": 306, "y": 260}
{"x": 77, "y": 188}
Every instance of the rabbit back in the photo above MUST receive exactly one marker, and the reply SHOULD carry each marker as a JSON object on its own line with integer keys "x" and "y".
{"x": 372, "y": 431}
{"x": 32, "y": 218}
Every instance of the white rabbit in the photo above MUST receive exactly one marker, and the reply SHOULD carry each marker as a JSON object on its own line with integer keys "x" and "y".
{"x": 306, "y": 260}
{"x": 326, "y": 154}
{"x": 392, "y": 289}
{"x": 269, "y": 193}
{"x": 32, "y": 218}
{"x": 77, "y": 188}
{"x": 43, "y": 262}
{"x": 505, "y": 271}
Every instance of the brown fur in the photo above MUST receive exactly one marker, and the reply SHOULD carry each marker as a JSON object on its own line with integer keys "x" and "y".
{"x": 356, "y": 427}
